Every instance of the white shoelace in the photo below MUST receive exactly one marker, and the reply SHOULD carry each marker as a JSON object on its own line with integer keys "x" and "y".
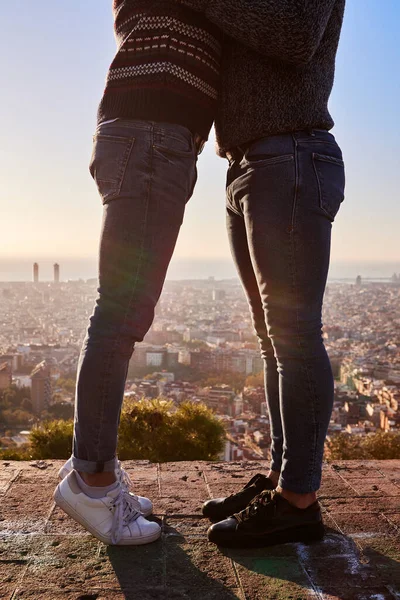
{"x": 127, "y": 484}
{"x": 125, "y": 512}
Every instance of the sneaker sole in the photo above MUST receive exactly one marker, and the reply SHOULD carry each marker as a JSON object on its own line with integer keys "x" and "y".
{"x": 62, "y": 473}
{"x": 305, "y": 534}
{"x": 67, "y": 508}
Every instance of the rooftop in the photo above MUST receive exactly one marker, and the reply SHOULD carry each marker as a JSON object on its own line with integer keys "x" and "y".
{"x": 45, "y": 555}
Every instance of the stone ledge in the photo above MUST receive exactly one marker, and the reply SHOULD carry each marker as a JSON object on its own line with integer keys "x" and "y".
{"x": 45, "y": 555}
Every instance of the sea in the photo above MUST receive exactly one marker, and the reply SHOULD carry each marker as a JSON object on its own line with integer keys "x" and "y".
{"x": 182, "y": 269}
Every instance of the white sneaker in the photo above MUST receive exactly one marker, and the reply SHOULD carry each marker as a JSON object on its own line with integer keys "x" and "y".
{"x": 112, "y": 519}
{"x": 143, "y": 505}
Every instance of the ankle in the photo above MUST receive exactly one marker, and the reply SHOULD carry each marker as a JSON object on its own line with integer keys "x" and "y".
{"x": 298, "y": 500}
{"x": 274, "y": 477}
{"x": 103, "y": 479}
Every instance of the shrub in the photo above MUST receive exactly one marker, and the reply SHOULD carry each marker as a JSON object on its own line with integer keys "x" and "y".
{"x": 374, "y": 446}
{"x": 52, "y": 439}
{"x": 149, "y": 430}
{"x": 152, "y": 430}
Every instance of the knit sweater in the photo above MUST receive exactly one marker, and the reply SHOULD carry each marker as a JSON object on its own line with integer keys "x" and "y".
{"x": 278, "y": 65}
{"x": 167, "y": 65}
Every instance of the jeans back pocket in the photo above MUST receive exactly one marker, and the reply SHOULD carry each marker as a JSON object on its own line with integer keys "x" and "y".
{"x": 331, "y": 178}
{"x": 108, "y": 164}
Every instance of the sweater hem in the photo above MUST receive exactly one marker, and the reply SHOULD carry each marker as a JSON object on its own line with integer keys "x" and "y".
{"x": 157, "y": 105}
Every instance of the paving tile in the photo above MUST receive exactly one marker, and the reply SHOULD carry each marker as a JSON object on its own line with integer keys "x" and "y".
{"x": 383, "y": 553}
{"x": 177, "y": 506}
{"x": 26, "y": 593}
{"x": 61, "y": 523}
{"x": 181, "y": 466}
{"x": 10, "y": 574}
{"x": 358, "y": 504}
{"x": 150, "y": 490}
{"x": 357, "y": 470}
{"x": 390, "y": 468}
{"x": 375, "y": 487}
{"x": 185, "y": 527}
{"x": 343, "y": 572}
{"x": 394, "y": 518}
{"x": 129, "y": 567}
{"x": 61, "y": 562}
{"x": 7, "y": 474}
{"x": 334, "y": 593}
{"x": 273, "y": 578}
{"x": 335, "y": 488}
{"x": 184, "y": 483}
{"x": 223, "y": 488}
{"x": 362, "y": 523}
{"x": 238, "y": 478}
{"x": 140, "y": 476}
{"x": 333, "y": 544}
{"x": 25, "y": 508}
{"x": 15, "y": 547}
{"x": 35, "y": 476}
{"x": 198, "y": 565}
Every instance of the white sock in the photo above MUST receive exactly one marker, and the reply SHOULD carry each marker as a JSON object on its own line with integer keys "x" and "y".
{"x": 95, "y": 492}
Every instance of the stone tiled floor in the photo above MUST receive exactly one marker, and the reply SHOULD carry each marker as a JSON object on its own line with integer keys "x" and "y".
{"x": 45, "y": 555}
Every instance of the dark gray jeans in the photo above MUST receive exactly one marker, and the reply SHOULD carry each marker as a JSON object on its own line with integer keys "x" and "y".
{"x": 282, "y": 195}
{"x": 145, "y": 173}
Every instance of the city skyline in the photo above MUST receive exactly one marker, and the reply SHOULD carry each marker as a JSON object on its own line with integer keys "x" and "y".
{"x": 51, "y": 118}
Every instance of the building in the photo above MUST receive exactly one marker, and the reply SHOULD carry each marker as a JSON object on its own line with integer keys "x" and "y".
{"x": 56, "y": 273}
{"x": 5, "y": 376}
{"x": 218, "y": 295}
{"x": 41, "y": 387}
{"x": 36, "y": 273}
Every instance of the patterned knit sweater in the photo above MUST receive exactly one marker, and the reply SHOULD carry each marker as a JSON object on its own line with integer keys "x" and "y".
{"x": 278, "y": 65}
{"x": 167, "y": 66}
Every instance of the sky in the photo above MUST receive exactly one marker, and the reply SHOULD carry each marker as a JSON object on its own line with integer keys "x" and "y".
{"x": 54, "y": 62}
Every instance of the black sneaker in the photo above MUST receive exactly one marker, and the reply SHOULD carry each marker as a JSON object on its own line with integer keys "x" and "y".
{"x": 221, "y": 508}
{"x": 269, "y": 520}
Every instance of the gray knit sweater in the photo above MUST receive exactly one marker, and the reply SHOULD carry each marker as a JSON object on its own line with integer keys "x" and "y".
{"x": 278, "y": 65}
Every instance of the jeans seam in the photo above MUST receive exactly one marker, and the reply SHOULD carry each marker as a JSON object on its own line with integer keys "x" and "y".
{"x": 133, "y": 287}
{"x": 304, "y": 359}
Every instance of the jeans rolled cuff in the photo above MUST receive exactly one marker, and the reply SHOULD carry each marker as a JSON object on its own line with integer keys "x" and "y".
{"x": 298, "y": 488}
{"x": 92, "y": 467}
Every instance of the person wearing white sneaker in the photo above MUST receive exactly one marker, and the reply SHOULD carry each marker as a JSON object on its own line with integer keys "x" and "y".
{"x": 112, "y": 517}
{"x": 156, "y": 114}
{"x": 143, "y": 505}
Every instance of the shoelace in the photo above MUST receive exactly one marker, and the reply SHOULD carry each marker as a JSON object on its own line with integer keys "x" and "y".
{"x": 263, "y": 500}
{"x": 127, "y": 484}
{"x": 125, "y": 512}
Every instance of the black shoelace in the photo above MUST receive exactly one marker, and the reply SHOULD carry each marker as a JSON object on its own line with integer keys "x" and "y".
{"x": 263, "y": 505}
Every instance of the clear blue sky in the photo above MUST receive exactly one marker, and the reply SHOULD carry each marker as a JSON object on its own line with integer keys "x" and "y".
{"x": 54, "y": 61}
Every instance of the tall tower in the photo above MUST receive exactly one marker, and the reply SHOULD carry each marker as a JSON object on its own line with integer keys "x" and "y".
{"x": 36, "y": 273}
{"x": 56, "y": 273}
{"x": 41, "y": 387}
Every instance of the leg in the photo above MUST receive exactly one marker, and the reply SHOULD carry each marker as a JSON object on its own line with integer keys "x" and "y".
{"x": 241, "y": 256}
{"x": 289, "y": 239}
{"x": 143, "y": 212}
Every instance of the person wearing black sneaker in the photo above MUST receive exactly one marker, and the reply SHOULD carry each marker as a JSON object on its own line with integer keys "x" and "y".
{"x": 285, "y": 185}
